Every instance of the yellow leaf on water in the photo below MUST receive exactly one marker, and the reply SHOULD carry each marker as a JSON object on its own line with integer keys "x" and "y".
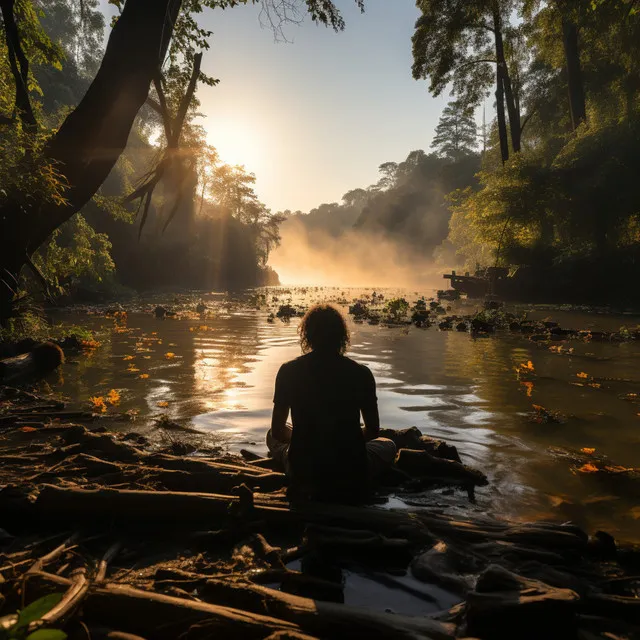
{"x": 169, "y": 355}
{"x": 28, "y": 429}
{"x": 582, "y": 374}
{"x": 98, "y": 404}
{"x": 143, "y": 376}
{"x": 113, "y": 397}
{"x": 588, "y": 450}
{"x": 128, "y": 357}
{"x": 163, "y": 404}
{"x": 588, "y": 468}
{"x": 528, "y": 385}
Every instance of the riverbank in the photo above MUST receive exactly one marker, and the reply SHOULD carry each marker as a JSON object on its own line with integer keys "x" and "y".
{"x": 137, "y": 540}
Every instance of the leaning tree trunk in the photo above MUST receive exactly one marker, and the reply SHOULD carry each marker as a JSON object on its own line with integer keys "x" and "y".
{"x": 574, "y": 72}
{"x": 501, "y": 62}
{"x": 93, "y": 136}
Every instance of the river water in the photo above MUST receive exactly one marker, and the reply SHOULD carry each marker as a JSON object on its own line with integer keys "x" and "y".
{"x": 216, "y": 374}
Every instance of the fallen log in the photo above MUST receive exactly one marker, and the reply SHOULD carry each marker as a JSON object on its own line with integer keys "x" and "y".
{"x": 167, "y": 617}
{"x": 431, "y": 470}
{"x": 328, "y": 619}
{"x": 137, "y": 508}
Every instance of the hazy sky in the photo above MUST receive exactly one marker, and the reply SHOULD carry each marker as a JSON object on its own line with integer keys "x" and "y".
{"x": 315, "y": 117}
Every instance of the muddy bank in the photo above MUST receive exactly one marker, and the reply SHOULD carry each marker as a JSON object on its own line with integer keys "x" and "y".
{"x": 137, "y": 540}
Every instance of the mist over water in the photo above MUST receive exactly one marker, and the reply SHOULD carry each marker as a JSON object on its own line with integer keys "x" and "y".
{"x": 353, "y": 259}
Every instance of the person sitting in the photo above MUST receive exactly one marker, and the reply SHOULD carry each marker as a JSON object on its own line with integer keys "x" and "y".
{"x": 326, "y": 453}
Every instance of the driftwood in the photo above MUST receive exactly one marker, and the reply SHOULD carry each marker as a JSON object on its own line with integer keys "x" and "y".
{"x": 503, "y": 602}
{"x": 217, "y": 529}
{"x": 421, "y": 464}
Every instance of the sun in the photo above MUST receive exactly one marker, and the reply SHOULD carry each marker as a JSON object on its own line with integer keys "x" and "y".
{"x": 237, "y": 143}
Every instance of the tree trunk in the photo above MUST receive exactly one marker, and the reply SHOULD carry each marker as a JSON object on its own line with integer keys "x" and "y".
{"x": 502, "y": 123}
{"x": 574, "y": 73}
{"x": 512, "y": 107}
{"x": 93, "y": 136}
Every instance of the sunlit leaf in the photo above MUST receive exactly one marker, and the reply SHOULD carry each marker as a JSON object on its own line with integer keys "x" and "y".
{"x": 47, "y": 634}
{"x": 36, "y": 610}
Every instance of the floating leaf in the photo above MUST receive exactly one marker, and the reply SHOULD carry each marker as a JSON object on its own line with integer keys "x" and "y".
{"x": 169, "y": 355}
{"x": 588, "y": 468}
{"x": 588, "y": 450}
{"x": 98, "y": 404}
{"x": 113, "y": 397}
{"x": 128, "y": 358}
{"x": 582, "y": 374}
{"x": 528, "y": 385}
{"x": 163, "y": 403}
{"x": 143, "y": 376}
{"x": 28, "y": 429}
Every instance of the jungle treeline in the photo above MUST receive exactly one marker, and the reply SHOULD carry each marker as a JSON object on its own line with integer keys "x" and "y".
{"x": 106, "y": 177}
{"x": 550, "y": 182}
{"x": 202, "y": 225}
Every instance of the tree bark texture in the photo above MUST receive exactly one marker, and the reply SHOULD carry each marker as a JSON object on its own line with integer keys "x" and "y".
{"x": 507, "y": 88}
{"x": 574, "y": 72}
{"x": 500, "y": 113}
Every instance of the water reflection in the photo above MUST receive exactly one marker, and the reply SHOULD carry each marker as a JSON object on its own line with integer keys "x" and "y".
{"x": 221, "y": 374}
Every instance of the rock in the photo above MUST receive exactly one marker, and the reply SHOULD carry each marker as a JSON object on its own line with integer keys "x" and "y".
{"x": 440, "y": 565}
{"x": 505, "y": 605}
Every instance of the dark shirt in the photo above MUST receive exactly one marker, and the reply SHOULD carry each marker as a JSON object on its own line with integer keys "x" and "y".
{"x": 326, "y": 394}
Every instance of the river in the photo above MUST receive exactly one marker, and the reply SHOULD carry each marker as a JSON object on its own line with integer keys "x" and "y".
{"x": 216, "y": 374}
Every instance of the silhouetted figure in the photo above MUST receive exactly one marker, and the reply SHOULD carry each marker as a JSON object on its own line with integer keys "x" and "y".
{"x": 326, "y": 452}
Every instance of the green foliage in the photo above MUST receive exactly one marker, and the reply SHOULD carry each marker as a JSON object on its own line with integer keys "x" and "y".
{"x": 19, "y": 630}
{"x": 456, "y": 133}
{"x": 75, "y": 252}
{"x": 453, "y": 46}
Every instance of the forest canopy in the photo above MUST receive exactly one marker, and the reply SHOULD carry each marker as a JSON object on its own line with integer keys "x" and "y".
{"x": 76, "y": 123}
{"x": 557, "y": 187}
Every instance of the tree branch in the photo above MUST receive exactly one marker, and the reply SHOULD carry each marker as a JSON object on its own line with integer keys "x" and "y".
{"x": 162, "y": 105}
{"x": 479, "y": 61}
{"x": 186, "y": 101}
{"x": 19, "y": 65}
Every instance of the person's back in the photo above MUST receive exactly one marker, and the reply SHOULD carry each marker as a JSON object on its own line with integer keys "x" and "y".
{"x": 326, "y": 452}
{"x": 326, "y": 394}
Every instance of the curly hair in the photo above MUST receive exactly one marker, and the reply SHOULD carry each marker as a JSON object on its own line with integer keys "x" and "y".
{"x": 323, "y": 329}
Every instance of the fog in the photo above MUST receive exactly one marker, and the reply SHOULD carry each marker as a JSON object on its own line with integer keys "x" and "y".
{"x": 354, "y": 259}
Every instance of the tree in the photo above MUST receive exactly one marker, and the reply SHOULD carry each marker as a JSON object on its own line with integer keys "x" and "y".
{"x": 458, "y": 44}
{"x": 88, "y": 143}
{"x": 456, "y": 133}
